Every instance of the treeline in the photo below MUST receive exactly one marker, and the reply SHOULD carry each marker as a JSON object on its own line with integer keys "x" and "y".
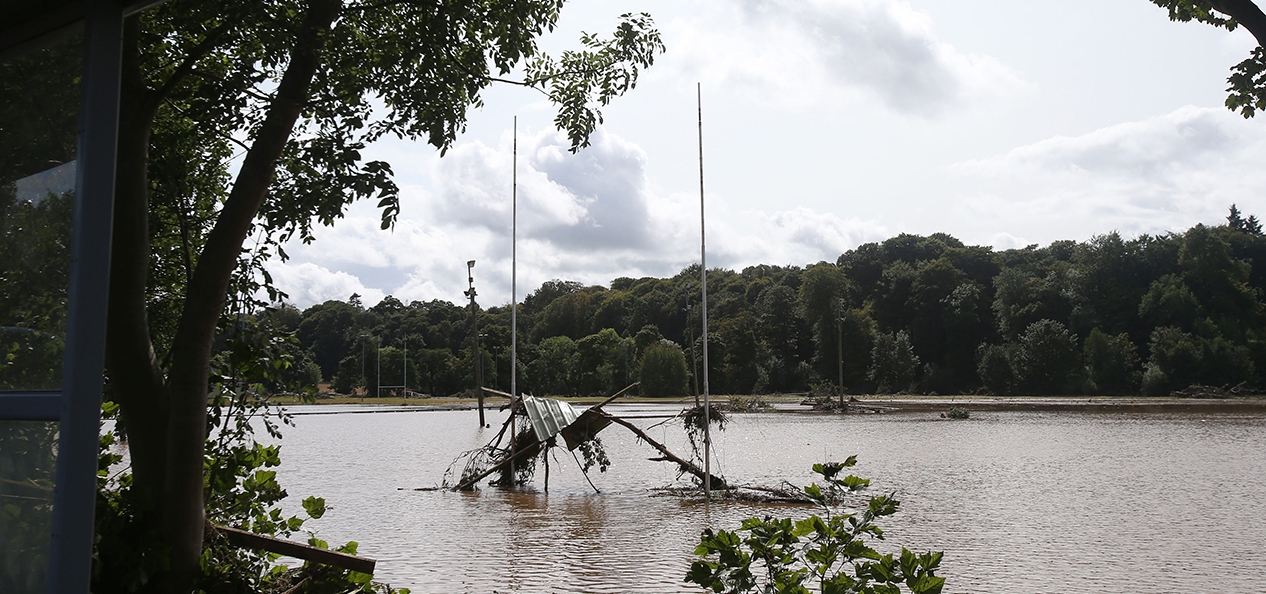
{"x": 923, "y": 314}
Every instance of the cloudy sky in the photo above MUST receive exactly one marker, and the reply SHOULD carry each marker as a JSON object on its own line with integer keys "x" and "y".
{"x": 827, "y": 124}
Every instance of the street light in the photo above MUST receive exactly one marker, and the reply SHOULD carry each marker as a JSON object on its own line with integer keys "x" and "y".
{"x": 474, "y": 316}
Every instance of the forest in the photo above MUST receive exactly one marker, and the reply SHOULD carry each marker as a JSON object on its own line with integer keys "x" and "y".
{"x": 912, "y": 314}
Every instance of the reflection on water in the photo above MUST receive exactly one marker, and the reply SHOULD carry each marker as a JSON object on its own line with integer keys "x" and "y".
{"x": 1019, "y": 501}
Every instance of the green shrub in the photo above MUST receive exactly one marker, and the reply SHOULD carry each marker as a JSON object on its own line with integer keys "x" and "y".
{"x": 828, "y": 552}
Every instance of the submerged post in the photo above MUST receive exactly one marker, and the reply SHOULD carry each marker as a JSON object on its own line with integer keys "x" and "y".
{"x": 703, "y": 270}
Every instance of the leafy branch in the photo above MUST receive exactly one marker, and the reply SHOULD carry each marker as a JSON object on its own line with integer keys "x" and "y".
{"x": 829, "y": 549}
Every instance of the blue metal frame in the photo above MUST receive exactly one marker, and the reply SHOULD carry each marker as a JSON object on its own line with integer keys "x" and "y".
{"x": 77, "y": 406}
{"x": 70, "y": 561}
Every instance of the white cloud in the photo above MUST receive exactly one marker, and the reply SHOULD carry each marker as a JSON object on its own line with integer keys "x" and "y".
{"x": 1161, "y": 173}
{"x": 589, "y": 217}
{"x": 308, "y": 283}
{"x": 833, "y": 50}
{"x": 1007, "y": 241}
{"x": 802, "y": 235}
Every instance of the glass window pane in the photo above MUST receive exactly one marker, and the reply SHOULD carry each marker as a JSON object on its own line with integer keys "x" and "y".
{"x": 28, "y": 452}
{"x": 39, "y": 100}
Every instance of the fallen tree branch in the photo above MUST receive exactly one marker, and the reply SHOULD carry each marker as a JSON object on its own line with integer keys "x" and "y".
{"x": 685, "y": 465}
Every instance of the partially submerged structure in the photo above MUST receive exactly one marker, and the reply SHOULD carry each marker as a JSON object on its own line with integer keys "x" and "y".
{"x": 544, "y": 421}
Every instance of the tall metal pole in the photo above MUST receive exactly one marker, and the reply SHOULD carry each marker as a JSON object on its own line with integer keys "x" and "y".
{"x": 703, "y": 258}
{"x": 364, "y": 388}
{"x": 378, "y": 362}
{"x": 514, "y": 291}
{"x": 406, "y": 368}
{"x": 474, "y": 317}
{"x": 514, "y": 264}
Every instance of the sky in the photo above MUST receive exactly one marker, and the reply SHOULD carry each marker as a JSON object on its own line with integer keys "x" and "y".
{"x": 826, "y": 124}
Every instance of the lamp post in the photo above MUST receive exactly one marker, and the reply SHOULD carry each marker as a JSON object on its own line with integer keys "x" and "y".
{"x": 378, "y": 364}
{"x": 474, "y": 317}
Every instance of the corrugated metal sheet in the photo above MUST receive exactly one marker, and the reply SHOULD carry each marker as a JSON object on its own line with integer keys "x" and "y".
{"x": 548, "y": 416}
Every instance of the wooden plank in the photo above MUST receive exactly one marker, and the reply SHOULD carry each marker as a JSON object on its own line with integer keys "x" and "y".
{"x": 250, "y": 540}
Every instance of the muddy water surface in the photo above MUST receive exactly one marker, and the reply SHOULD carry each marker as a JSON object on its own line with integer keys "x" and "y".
{"x": 1058, "y": 502}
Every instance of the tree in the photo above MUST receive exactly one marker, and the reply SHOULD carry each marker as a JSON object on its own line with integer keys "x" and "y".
{"x": 554, "y": 370}
{"x": 1247, "y": 83}
{"x": 823, "y": 289}
{"x": 663, "y": 370}
{"x": 1250, "y": 225}
{"x": 301, "y": 87}
{"x": 994, "y": 367}
{"x": 893, "y": 365}
{"x": 1046, "y": 360}
{"x": 1112, "y": 363}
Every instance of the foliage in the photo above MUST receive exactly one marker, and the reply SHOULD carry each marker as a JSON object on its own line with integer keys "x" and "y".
{"x": 594, "y": 454}
{"x": 1247, "y": 83}
{"x": 994, "y": 367}
{"x": 663, "y": 370}
{"x": 241, "y": 488}
{"x": 34, "y": 260}
{"x": 1112, "y": 364}
{"x": 28, "y": 451}
{"x": 1046, "y": 360}
{"x": 893, "y": 365}
{"x": 827, "y": 553}
{"x": 968, "y": 314}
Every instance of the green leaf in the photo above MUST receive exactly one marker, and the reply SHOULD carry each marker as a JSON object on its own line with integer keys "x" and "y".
{"x": 315, "y": 506}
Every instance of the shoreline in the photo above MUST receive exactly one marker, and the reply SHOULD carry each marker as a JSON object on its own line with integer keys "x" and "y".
{"x": 785, "y": 402}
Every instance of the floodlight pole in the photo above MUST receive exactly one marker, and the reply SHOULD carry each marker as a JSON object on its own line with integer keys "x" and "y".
{"x": 479, "y": 362}
{"x": 363, "y": 386}
{"x": 378, "y": 363}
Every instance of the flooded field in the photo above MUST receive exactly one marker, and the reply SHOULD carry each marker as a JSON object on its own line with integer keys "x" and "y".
{"x": 1058, "y": 502}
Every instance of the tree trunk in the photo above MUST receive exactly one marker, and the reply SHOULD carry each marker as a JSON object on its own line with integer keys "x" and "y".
{"x": 136, "y": 379}
{"x": 166, "y": 420}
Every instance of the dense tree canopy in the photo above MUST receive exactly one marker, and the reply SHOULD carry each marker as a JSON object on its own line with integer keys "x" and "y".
{"x": 1150, "y": 315}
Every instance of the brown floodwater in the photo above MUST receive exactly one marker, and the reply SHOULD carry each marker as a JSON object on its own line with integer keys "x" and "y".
{"x": 1031, "y": 501}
